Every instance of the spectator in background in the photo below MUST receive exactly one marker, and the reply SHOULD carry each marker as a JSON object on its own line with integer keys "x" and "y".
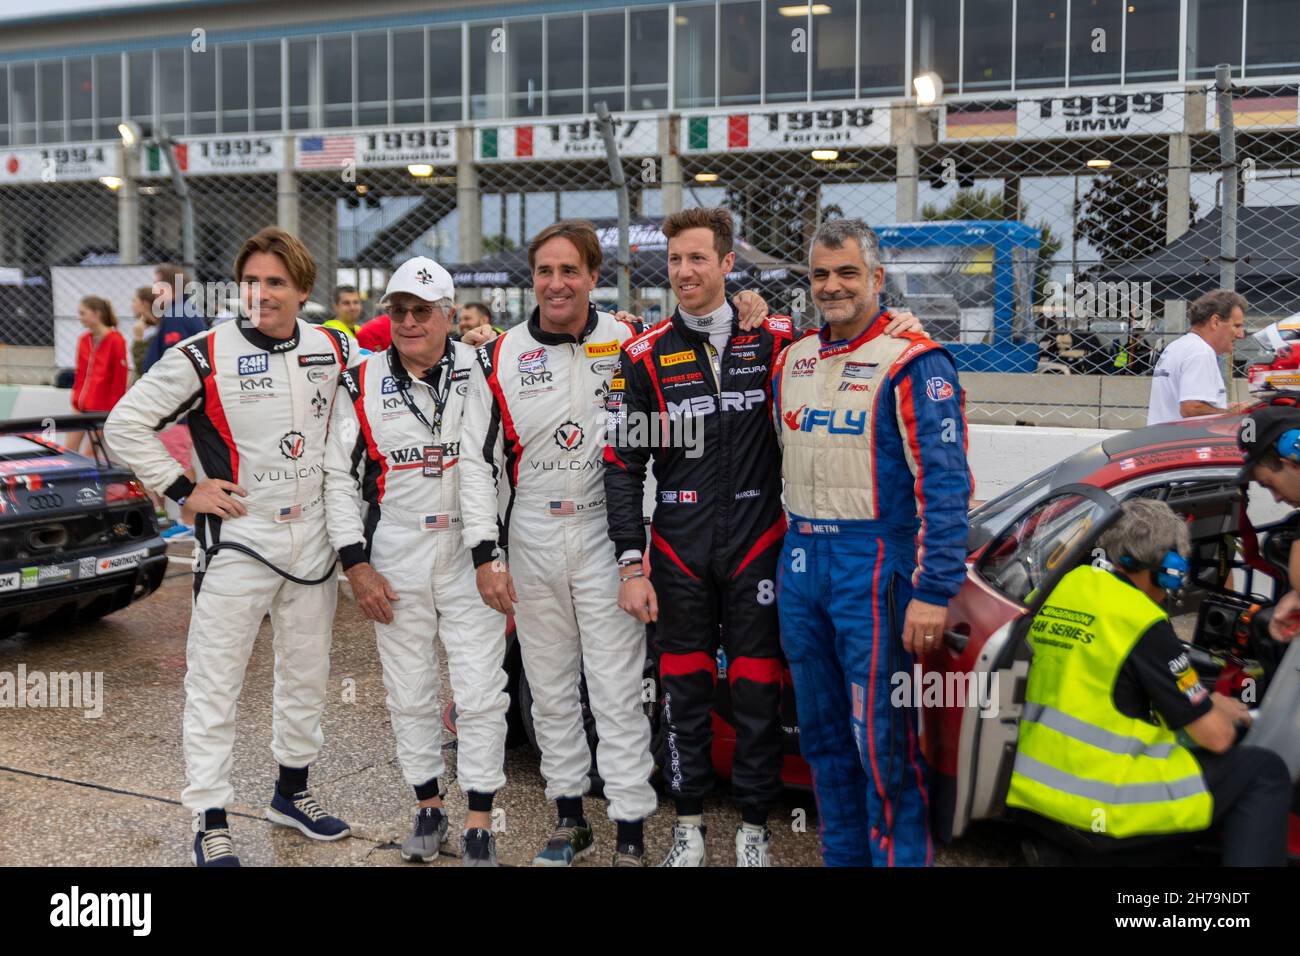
{"x": 146, "y": 327}
{"x": 475, "y": 315}
{"x": 347, "y": 310}
{"x": 1187, "y": 382}
{"x": 177, "y": 320}
{"x": 376, "y": 335}
{"x": 101, "y": 358}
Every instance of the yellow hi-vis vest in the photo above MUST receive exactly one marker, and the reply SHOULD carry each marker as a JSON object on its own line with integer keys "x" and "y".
{"x": 1080, "y": 761}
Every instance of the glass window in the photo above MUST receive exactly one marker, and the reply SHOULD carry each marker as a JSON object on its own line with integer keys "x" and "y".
{"x": 694, "y": 38}
{"x": 986, "y": 60}
{"x": 4, "y": 106}
{"x": 648, "y": 35}
{"x": 24, "y": 79}
{"x": 524, "y": 67}
{"x": 108, "y": 95}
{"x": 444, "y": 75}
{"x": 606, "y": 56}
{"x": 741, "y": 72}
{"x": 1040, "y": 44}
{"x": 171, "y": 89}
{"x": 51, "y": 79}
{"x": 234, "y": 88}
{"x": 203, "y": 91}
{"x": 1213, "y": 36}
{"x": 1272, "y": 37}
{"x": 486, "y": 66}
{"x": 304, "y": 85}
{"x": 266, "y": 86}
{"x": 833, "y": 49}
{"x": 372, "y": 79}
{"x": 787, "y": 52}
{"x": 141, "y": 89}
{"x": 934, "y": 39}
{"x": 883, "y": 45}
{"x": 337, "y": 71}
{"x": 1151, "y": 41}
{"x": 81, "y": 99}
{"x": 563, "y": 52}
{"x": 408, "y": 76}
{"x": 1096, "y": 34}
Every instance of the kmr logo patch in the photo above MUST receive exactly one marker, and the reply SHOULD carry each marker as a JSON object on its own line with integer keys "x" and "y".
{"x": 253, "y": 364}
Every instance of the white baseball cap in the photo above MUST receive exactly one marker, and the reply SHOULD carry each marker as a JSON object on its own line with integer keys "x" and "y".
{"x": 422, "y": 278}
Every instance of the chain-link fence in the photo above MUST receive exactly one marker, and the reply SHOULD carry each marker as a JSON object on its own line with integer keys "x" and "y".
{"x": 1053, "y": 235}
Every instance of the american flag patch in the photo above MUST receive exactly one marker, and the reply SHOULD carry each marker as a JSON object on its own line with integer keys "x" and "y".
{"x": 562, "y": 509}
{"x": 289, "y": 514}
{"x": 859, "y": 703}
{"x": 437, "y": 522}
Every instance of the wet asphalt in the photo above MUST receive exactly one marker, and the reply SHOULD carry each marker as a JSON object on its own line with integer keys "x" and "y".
{"x": 118, "y": 775}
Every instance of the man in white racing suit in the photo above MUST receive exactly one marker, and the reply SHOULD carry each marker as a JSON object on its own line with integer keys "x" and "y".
{"x": 536, "y": 420}
{"x": 258, "y": 393}
{"x": 409, "y": 569}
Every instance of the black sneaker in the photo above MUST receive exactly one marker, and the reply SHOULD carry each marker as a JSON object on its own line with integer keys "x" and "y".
{"x": 629, "y": 854}
{"x": 478, "y": 847}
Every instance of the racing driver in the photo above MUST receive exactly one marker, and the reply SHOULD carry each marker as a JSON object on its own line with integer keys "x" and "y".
{"x": 408, "y": 567}
{"x": 718, "y": 525}
{"x": 258, "y": 393}
{"x": 877, "y": 485}
{"x": 536, "y": 411}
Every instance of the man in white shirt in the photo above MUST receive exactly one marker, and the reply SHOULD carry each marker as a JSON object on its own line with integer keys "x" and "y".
{"x": 1187, "y": 382}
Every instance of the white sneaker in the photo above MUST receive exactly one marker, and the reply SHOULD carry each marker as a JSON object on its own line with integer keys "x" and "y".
{"x": 753, "y": 846}
{"x": 688, "y": 846}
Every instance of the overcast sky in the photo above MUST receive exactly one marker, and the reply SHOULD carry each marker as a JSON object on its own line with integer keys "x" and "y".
{"x": 23, "y": 9}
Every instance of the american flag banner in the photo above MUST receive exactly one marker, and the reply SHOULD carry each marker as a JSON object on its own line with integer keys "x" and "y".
{"x": 561, "y": 509}
{"x": 437, "y": 522}
{"x": 325, "y": 152}
{"x": 289, "y": 514}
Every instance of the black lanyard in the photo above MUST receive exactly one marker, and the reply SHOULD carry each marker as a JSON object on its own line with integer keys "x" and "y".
{"x": 440, "y": 396}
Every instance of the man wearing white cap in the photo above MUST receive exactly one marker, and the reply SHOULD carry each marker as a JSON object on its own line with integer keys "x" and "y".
{"x": 397, "y": 443}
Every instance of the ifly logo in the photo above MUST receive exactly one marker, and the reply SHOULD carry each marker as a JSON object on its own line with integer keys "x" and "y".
{"x": 838, "y": 421}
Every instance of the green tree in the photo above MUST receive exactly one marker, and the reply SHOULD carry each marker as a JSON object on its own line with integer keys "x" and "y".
{"x": 498, "y": 243}
{"x": 1123, "y": 215}
{"x": 979, "y": 204}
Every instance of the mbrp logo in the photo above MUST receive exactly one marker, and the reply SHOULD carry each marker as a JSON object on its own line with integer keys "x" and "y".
{"x": 700, "y": 405}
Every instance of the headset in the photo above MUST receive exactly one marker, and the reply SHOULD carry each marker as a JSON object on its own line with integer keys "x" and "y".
{"x": 1170, "y": 573}
{"x": 1288, "y": 445}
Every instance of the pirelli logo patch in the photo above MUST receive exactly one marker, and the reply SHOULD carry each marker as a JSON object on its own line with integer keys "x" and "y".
{"x": 677, "y": 358}
{"x": 597, "y": 349}
{"x": 617, "y": 384}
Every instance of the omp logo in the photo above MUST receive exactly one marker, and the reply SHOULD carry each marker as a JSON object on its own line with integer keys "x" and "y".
{"x": 639, "y": 348}
{"x": 253, "y": 364}
{"x": 677, "y": 358}
{"x": 74, "y": 909}
{"x": 837, "y": 422}
{"x": 596, "y": 349}
{"x": 779, "y": 325}
{"x": 700, "y": 405}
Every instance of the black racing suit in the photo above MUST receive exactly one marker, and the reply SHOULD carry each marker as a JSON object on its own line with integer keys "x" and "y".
{"x": 715, "y": 539}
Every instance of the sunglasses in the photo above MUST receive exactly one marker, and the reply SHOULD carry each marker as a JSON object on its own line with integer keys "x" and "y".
{"x": 421, "y": 313}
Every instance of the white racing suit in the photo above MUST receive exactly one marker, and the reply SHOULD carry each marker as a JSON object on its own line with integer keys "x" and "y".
{"x": 536, "y": 412}
{"x": 258, "y": 411}
{"x": 412, "y": 536}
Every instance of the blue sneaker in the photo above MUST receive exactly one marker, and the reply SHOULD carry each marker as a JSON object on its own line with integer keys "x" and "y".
{"x": 214, "y": 847}
{"x": 305, "y": 815}
{"x": 178, "y": 532}
{"x": 571, "y": 841}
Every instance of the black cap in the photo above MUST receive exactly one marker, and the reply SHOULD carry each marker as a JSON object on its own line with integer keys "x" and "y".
{"x": 1264, "y": 425}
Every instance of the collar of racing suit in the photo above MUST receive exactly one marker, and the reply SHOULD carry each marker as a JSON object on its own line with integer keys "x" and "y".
{"x": 694, "y": 335}
{"x": 559, "y": 338}
{"x": 263, "y": 341}
{"x": 431, "y": 375}
{"x": 866, "y": 335}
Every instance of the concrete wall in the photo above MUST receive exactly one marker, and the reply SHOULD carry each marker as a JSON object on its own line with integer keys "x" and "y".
{"x": 35, "y": 401}
{"x": 1002, "y": 456}
{"x": 1072, "y": 401}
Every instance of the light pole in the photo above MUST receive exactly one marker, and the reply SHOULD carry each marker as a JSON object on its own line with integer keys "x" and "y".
{"x": 133, "y": 135}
